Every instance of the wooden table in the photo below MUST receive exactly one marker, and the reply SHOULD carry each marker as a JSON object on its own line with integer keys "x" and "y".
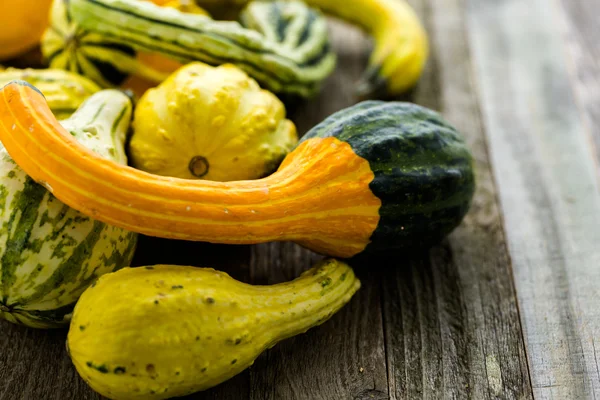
{"x": 508, "y": 307}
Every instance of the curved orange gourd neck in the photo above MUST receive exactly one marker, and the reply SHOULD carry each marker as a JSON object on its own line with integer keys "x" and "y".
{"x": 319, "y": 197}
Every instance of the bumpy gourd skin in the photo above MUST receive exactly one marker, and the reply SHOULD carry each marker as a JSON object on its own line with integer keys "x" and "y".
{"x": 210, "y": 123}
{"x": 167, "y": 331}
{"x": 401, "y": 45}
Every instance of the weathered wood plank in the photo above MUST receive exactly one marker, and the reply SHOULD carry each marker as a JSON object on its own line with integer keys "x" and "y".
{"x": 582, "y": 31}
{"x": 34, "y": 365}
{"x": 345, "y": 357}
{"x": 546, "y": 173}
{"x": 451, "y": 320}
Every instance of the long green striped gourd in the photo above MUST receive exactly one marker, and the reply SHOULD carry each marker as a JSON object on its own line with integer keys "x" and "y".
{"x": 63, "y": 90}
{"x": 295, "y": 60}
{"x": 297, "y": 28}
{"x": 50, "y": 253}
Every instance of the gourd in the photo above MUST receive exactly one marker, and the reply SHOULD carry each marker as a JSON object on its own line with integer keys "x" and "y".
{"x": 64, "y": 91}
{"x": 295, "y": 62}
{"x": 376, "y": 176}
{"x": 23, "y": 22}
{"x": 66, "y": 46}
{"x": 210, "y": 123}
{"x": 50, "y": 253}
{"x": 401, "y": 45}
{"x": 177, "y": 330}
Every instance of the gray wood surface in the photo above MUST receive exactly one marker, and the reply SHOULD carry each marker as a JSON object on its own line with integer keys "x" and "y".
{"x": 548, "y": 187}
{"x": 452, "y": 325}
{"x": 581, "y": 30}
{"x": 507, "y": 307}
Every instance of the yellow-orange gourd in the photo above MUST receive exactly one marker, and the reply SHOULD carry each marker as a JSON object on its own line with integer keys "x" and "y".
{"x": 376, "y": 176}
{"x": 22, "y": 23}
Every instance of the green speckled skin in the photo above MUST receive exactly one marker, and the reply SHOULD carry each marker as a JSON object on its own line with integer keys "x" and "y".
{"x": 423, "y": 169}
{"x": 50, "y": 253}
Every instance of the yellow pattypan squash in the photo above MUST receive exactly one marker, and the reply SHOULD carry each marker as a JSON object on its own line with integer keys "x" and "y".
{"x": 212, "y": 123}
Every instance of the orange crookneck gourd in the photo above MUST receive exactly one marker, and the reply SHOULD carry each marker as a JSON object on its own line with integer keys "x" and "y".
{"x": 373, "y": 177}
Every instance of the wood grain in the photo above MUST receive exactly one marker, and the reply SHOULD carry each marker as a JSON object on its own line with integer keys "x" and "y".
{"x": 546, "y": 173}
{"x": 582, "y": 32}
{"x": 451, "y": 319}
{"x": 521, "y": 80}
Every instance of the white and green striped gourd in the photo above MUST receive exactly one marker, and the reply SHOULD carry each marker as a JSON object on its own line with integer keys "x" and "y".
{"x": 51, "y": 253}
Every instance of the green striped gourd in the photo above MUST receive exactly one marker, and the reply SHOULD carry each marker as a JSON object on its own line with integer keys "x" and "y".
{"x": 50, "y": 252}
{"x": 289, "y": 53}
{"x": 65, "y": 45}
{"x": 63, "y": 90}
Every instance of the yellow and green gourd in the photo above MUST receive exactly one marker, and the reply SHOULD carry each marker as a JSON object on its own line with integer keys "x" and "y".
{"x": 65, "y": 45}
{"x": 177, "y": 330}
{"x": 64, "y": 91}
{"x": 99, "y": 38}
{"x": 50, "y": 252}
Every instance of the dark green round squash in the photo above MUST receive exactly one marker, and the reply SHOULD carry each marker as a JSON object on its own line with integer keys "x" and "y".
{"x": 423, "y": 169}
